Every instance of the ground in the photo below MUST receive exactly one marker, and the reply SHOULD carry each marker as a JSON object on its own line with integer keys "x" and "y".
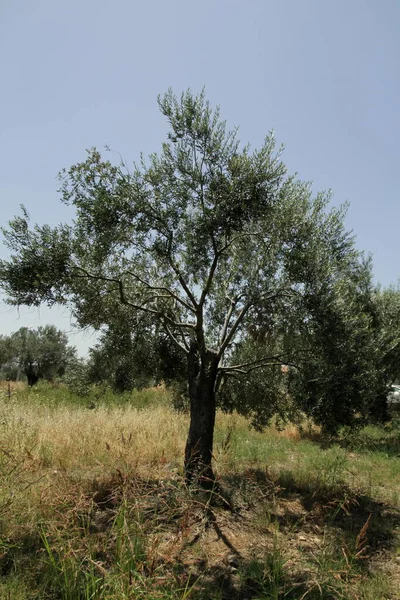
{"x": 93, "y": 505}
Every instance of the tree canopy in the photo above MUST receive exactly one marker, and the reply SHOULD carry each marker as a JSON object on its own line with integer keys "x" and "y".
{"x": 42, "y": 353}
{"x": 132, "y": 353}
{"x": 214, "y": 243}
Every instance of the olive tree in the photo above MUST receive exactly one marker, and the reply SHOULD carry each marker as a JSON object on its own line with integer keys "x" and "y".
{"x": 132, "y": 353}
{"x": 42, "y": 353}
{"x": 206, "y": 238}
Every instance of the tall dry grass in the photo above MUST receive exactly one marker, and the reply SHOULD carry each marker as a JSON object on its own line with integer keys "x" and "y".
{"x": 78, "y": 438}
{"x": 75, "y": 438}
{"x": 59, "y": 461}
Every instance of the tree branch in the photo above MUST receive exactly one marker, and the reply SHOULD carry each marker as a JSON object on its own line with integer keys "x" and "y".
{"x": 238, "y": 237}
{"x": 228, "y": 318}
{"x": 253, "y": 362}
{"x": 162, "y": 289}
{"x": 184, "y": 340}
{"x": 142, "y": 307}
{"x": 234, "y": 328}
{"x": 227, "y": 337}
{"x": 209, "y": 279}
{"x": 246, "y": 368}
{"x": 183, "y": 282}
{"x": 175, "y": 340}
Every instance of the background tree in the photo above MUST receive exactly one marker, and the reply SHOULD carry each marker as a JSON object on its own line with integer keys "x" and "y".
{"x": 133, "y": 353}
{"x": 340, "y": 382}
{"x": 8, "y": 365}
{"x": 332, "y": 345}
{"x": 205, "y": 238}
{"x": 385, "y": 311}
{"x": 385, "y": 308}
{"x": 43, "y": 353}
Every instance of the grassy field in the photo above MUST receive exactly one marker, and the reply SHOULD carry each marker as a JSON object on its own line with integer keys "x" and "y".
{"x": 93, "y": 506}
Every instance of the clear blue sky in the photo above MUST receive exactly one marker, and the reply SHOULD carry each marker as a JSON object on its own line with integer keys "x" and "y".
{"x": 324, "y": 75}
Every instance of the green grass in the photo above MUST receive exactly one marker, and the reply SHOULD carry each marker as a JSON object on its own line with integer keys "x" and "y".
{"x": 93, "y": 506}
{"x": 54, "y": 396}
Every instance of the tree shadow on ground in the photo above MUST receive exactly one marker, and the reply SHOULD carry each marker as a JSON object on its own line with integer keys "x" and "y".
{"x": 291, "y": 504}
{"x": 388, "y": 443}
{"x": 241, "y": 544}
{"x": 234, "y": 572}
{"x": 336, "y": 507}
{"x": 385, "y": 441}
{"x": 252, "y": 579}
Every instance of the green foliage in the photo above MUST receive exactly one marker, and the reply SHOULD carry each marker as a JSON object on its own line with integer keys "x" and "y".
{"x": 350, "y": 386}
{"x": 212, "y": 249}
{"x": 77, "y": 378}
{"x": 385, "y": 308}
{"x": 42, "y": 353}
{"x": 8, "y": 364}
{"x": 71, "y": 578}
{"x": 340, "y": 379}
{"x": 133, "y": 353}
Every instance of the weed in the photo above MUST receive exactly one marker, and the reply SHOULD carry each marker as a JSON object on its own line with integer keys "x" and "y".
{"x": 93, "y": 505}
{"x": 267, "y": 576}
{"x": 72, "y": 578}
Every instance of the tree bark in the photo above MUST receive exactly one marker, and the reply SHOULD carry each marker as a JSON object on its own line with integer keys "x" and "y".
{"x": 32, "y": 378}
{"x": 202, "y": 375}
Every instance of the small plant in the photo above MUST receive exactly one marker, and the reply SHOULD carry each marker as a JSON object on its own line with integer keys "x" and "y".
{"x": 129, "y": 553}
{"x": 353, "y": 555}
{"x": 267, "y": 577}
{"x": 73, "y": 578}
{"x": 13, "y": 477}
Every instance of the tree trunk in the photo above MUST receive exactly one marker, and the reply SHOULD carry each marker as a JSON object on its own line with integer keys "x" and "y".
{"x": 202, "y": 374}
{"x": 32, "y": 377}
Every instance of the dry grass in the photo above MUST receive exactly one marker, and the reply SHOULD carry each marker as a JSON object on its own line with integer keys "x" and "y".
{"x": 76, "y": 438}
{"x": 12, "y": 385}
{"x": 85, "y": 439}
{"x": 80, "y": 486}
